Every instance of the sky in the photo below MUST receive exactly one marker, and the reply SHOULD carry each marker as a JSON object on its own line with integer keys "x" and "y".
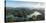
{"x": 18, "y": 4}
{"x": 27, "y": 0}
{"x": 21, "y": 3}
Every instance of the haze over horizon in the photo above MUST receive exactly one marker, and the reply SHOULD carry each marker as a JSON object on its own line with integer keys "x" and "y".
{"x": 28, "y": 4}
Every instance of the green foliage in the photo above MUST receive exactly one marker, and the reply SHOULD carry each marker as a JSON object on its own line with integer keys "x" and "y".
{"x": 10, "y": 18}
